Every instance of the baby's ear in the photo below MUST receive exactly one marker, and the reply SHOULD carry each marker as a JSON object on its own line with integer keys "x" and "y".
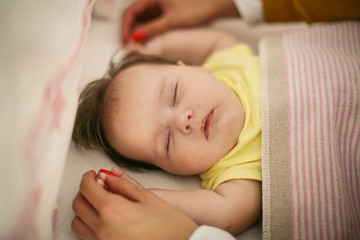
{"x": 180, "y": 63}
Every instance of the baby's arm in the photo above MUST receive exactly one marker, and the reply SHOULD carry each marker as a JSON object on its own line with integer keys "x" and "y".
{"x": 232, "y": 206}
{"x": 188, "y": 45}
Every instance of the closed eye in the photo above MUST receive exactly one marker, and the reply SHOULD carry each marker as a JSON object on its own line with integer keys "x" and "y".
{"x": 168, "y": 142}
{"x": 175, "y": 93}
{"x": 169, "y": 132}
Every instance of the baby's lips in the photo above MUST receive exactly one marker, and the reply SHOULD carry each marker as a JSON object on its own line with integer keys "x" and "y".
{"x": 138, "y": 35}
{"x": 107, "y": 172}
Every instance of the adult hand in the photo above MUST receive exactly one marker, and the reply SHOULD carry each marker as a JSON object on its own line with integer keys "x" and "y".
{"x": 126, "y": 211}
{"x": 157, "y": 16}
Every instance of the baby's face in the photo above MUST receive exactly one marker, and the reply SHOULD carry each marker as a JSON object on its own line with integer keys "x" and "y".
{"x": 179, "y": 118}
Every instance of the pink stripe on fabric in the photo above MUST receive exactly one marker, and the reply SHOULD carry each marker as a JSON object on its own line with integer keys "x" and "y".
{"x": 352, "y": 48}
{"x": 347, "y": 122}
{"x": 301, "y": 153}
{"x": 329, "y": 44}
{"x": 316, "y": 117}
{"x": 310, "y": 86}
{"x": 25, "y": 227}
{"x": 357, "y": 141}
{"x": 292, "y": 96}
{"x": 343, "y": 68}
{"x": 318, "y": 157}
{"x": 54, "y": 87}
{"x": 306, "y": 120}
{"x": 352, "y": 229}
{"x": 333, "y": 42}
{"x": 311, "y": 150}
{"x": 288, "y": 67}
{"x": 332, "y": 188}
{"x": 356, "y": 166}
{"x": 355, "y": 47}
{"x": 297, "y": 142}
{"x": 327, "y": 129}
{"x": 346, "y": 142}
{"x": 325, "y": 58}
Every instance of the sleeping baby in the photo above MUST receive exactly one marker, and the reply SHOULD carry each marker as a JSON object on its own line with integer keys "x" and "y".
{"x": 151, "y": 110}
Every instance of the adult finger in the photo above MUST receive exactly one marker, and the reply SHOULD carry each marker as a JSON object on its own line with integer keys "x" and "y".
{"x": 96, "y": 195}
{"x": 127, "y": 21}
{"x": 155, "y": 27}
{"x": 82, "y": 230}
{"x": 131, "y": 14}
{"x": 85, "y": 211}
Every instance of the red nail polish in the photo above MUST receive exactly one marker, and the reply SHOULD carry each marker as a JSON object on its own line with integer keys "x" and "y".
{"x": 107, "y": 172}
{"x": 138, "y": 35}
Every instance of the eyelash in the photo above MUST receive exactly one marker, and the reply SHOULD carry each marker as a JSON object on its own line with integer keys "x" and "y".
{"x": 169, "y": 133}
{"x": 175, "y": 94}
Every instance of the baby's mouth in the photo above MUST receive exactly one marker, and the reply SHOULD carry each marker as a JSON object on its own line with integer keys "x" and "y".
{"x": 206, "y": 123}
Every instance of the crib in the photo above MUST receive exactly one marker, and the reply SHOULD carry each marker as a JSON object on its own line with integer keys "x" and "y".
{"x": 310, "y": 114}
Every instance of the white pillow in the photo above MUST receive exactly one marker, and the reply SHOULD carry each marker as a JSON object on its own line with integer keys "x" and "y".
{"x": 41, "y": 60}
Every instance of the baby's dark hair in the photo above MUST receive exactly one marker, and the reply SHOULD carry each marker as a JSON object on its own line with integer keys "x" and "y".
{"x": 88, "y": 129}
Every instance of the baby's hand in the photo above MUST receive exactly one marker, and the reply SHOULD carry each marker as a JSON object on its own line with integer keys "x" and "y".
{"x": 102, "y": 175}
{"x": 120, "y": 173}
{"x": 154, "y": 46}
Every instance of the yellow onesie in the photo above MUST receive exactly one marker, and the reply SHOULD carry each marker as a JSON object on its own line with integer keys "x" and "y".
{"x": 239, "y": 68}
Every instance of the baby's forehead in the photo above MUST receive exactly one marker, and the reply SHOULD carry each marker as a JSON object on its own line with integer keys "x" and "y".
{"x": 139, "y": 71}
{"x": 130, "y": 74}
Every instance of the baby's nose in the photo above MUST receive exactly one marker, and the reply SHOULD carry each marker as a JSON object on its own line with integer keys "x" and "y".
{"x": 182, "y": 121}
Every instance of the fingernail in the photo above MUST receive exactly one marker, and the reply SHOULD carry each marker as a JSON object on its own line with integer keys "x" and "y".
{"x": 100, "y": 182}
{"x": 107, "y": 172}
{"x": 138, "y": 35}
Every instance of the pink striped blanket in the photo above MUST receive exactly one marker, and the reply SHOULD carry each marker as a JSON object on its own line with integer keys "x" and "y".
{"x": 311, "y": 133}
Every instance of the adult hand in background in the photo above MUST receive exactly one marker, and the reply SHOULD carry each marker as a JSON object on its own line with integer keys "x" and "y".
{"x": 125, "y": 211}
{"x": 147, "y": 18}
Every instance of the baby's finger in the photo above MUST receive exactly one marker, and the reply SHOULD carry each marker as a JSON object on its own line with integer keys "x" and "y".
{"x": 126, "y": 189}
{"x": 100, "y": 182}
{"x": 120, "y": 173}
